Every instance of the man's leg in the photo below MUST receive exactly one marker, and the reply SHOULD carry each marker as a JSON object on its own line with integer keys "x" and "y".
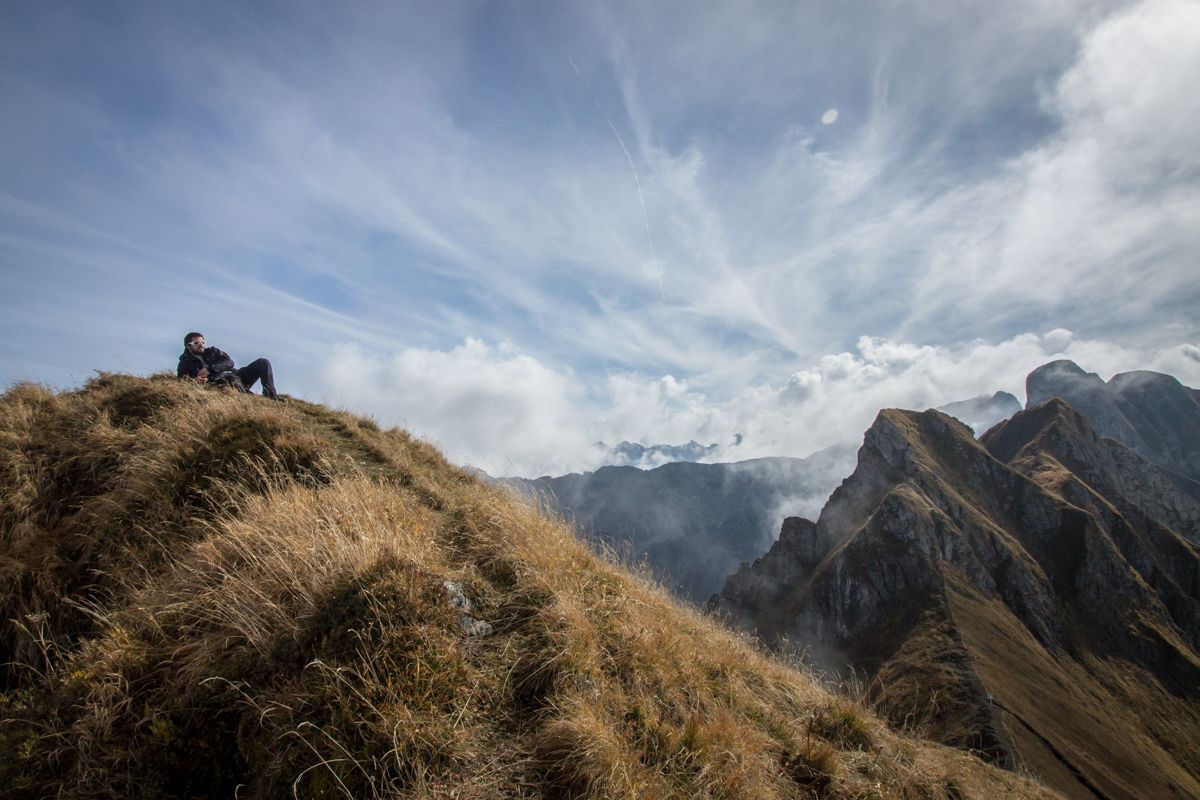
{"x": 259, "y": 370}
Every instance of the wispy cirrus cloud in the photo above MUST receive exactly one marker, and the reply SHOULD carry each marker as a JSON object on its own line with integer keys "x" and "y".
{"x": 637, "y": 208}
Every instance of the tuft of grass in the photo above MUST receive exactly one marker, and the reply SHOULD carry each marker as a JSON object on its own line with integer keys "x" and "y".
{"x": 813, "y": 765}
{"x": 842, "y": 725}
{"x": 207, "y": 593}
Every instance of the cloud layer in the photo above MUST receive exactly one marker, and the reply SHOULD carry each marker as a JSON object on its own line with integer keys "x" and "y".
{"x": 511, "y": 414}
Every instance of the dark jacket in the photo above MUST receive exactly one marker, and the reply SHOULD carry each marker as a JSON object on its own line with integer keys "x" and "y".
{"x": 216, "y": 361}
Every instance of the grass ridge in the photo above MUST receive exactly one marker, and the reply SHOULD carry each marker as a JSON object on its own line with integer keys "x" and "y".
{"x": 209, "y": 594}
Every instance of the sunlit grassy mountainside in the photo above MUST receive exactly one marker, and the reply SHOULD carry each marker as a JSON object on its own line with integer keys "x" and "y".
{"x": 209, "y": 594}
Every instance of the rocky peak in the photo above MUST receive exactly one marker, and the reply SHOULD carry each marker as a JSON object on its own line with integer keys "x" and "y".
{"x": 1152, "y": 413}
{"x": 929, "y": 450}
{"x": 1053, "y": 443}
{"x": 920, "y": 483}
{"x": 1049, "y": 379}
{"x": 992, "y": 577}
{"x": 1146, "y": 381}
{"x": 1029, "y": 429}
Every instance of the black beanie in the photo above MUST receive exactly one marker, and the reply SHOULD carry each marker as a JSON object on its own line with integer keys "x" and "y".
{"x": 192, "y": 335}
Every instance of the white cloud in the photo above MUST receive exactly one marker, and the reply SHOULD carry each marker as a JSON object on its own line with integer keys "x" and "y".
{"x": 511, "y": 414}
{"x": 491, "y": 407}
{"x": 1182, "y": 361}
{"x": 1103, "y": 215}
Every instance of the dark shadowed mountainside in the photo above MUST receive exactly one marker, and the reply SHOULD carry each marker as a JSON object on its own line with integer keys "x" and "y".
{"x": 982, "y": 412}
{"x": 693, "y": 523}
{"x": 1152, "y": 413}
{"x": 1035, "y": 595}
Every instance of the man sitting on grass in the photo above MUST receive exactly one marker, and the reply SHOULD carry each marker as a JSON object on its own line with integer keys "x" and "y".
{"x": 210, "y": 365}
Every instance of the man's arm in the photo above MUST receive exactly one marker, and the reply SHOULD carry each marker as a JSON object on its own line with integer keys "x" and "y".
{"x": 188, "y": 367}
{"x": 218, "y": 360}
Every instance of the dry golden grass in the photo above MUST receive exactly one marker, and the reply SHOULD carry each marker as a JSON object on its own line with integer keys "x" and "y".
{"x": 210, "y": 594}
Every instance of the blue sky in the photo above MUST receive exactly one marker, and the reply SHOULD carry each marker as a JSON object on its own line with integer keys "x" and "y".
{"x": 517, "y": 228}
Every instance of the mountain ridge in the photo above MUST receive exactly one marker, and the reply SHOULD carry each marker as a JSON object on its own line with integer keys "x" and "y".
{"x": 1152, "y": 413}
{"x": 935, "y": 550}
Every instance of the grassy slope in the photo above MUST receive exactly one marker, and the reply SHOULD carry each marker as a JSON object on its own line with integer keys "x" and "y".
{"x": 206, "y": 592}
{"x": 1067, "y": 719}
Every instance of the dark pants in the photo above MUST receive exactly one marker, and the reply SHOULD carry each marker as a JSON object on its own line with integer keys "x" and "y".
{"x": 259, "y": 370}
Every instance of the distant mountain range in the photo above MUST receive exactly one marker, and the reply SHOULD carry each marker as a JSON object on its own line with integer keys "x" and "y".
{"x": 632, "y": 454}
{"x": 1034, "y": 594}
{"x": 979, "y": 413}
{"x": 692, "y": 523}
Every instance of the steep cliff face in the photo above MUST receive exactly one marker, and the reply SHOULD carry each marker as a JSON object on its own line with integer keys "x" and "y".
{"x": 1152, "y": 413}
{"x": 1033, "y": 594}
{"x": 921, "y": 494}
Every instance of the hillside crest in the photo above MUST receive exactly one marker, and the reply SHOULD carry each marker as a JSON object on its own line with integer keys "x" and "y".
{"x": 210, "y": 594}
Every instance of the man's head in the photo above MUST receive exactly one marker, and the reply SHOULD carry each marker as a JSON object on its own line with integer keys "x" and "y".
{"x": 194, "y": 342}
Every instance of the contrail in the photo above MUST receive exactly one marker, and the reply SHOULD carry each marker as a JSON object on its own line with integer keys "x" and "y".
{"x": 632, "y": 168}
